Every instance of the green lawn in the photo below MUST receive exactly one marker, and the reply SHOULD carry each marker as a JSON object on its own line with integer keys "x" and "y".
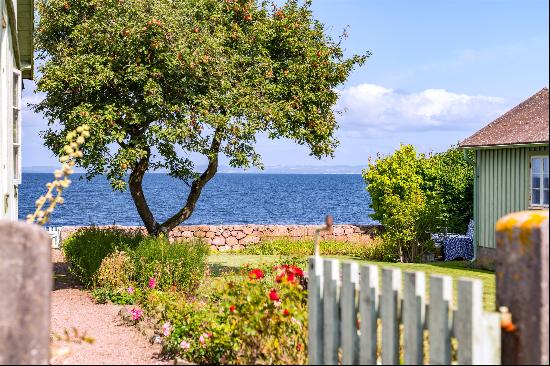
{"x": 221, "y": 263}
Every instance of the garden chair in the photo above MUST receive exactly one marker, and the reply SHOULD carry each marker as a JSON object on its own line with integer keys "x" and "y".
{"x": 457, "y": 246}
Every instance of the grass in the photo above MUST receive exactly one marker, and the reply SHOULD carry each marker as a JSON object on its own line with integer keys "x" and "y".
{"x": 223, "y": 263}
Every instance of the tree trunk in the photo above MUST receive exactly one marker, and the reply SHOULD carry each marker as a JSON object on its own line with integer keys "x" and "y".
{"x": 136, "y": 189}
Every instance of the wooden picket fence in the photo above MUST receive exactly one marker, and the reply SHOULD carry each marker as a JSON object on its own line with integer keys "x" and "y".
{"x": 55, "y": 235}
{"x": 346, "y": 307}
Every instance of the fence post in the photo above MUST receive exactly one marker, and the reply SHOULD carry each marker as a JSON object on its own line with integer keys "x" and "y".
{"x": 522, "y": 285}
{"x": 389, "y": 313}
{"x": 348, "y": 313}
{"x": 315, "y": 311}
{"x": 25, "y": 286}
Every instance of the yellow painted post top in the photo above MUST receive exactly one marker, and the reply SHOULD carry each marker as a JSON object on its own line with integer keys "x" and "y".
{"x": 522, "y": 222}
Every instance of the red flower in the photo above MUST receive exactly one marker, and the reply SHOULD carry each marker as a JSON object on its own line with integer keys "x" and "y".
{"x": 273, "y": 296}
{"x": 232, "y": 309}
{"x": 299, "y": 347}
{"x": 290, "y": 272}
{"x": 255, "y": 274}
{"x": 286, "y": 312}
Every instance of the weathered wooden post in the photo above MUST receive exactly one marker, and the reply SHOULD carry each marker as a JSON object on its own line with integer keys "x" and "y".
{"x": 522, "y": 285}
{"x": 25, "y": 287}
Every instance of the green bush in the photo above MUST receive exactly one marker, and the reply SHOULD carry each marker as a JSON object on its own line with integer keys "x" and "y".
{"x": 176, "y": 266}
{"x": 306, "y": 247}
{"x": 116, "y": 271}
{"x": 413, "y": 195}
{"x": 87, "y": 247}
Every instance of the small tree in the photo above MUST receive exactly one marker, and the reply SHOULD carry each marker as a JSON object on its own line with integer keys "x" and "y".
{"x": 160, "y": 82}
{"x": 405, "y": 199}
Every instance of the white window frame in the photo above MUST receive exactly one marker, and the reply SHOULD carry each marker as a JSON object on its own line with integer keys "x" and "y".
{"x": 16, "y": 122}
{"x": 539, "y": 204}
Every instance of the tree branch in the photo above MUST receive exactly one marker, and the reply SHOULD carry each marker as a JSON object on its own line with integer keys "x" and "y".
{"x": 196, "y": 187}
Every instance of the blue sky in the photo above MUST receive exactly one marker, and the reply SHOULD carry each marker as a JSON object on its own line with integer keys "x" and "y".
{"x": 440, "y": 70}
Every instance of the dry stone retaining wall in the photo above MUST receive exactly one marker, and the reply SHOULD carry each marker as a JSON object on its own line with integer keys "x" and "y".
{"x": 235, "y": 237}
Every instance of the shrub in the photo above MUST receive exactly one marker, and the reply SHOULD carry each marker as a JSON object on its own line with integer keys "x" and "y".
{"x": 86, "y": 249}
{"x": 305, "y": 247}
{"x": 116, "y": 271}
{"x": 260, "y": 318}
{"x": 405, "y": 199}
{"x": 171, "y": 266}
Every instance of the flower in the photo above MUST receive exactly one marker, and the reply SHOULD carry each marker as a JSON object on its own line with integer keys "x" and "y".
{"x": 232, "y": 309}
{"x": 299, "y": 347}
{"x": 185, "y": 345}
{"x": 130, "y": 290}
{"x": 166, "y": 329}
{"x": 152, "y": 282}
{"x": 286, "y": 312}
{"x": 201, "y": 339}
{"x": 137, "y": 313}
{"x": 255, "y": 274}
{"x": 273, "y": 296}
{"x": 290, "y": 272}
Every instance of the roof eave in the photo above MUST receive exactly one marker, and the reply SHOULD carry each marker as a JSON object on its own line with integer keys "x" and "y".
{"x": 497, "y": 146}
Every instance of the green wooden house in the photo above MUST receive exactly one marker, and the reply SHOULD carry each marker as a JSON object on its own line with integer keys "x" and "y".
{"x": 511, "y": 163}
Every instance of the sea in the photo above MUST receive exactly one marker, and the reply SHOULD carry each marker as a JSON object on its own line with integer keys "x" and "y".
{"x": 228, "y": 199}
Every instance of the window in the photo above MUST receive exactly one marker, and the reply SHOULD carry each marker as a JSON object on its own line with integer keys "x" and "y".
{"x": 539, "y": 181}
{"x": 16, "y": 126}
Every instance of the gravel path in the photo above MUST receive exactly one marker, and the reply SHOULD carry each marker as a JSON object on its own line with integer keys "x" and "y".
{"x": 114, "y": 342}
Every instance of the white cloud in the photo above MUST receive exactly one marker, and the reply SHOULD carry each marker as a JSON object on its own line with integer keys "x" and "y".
{"x": 374, "y": 109}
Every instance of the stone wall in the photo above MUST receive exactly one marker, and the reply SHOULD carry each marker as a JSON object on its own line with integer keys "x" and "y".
{"x": 234, "y": 237}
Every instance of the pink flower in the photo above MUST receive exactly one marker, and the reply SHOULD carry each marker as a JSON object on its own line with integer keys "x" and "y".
{"x": 137, "y": 314}
{"x": 130, "y": 290}
{"x": 166, "y": 329}
{"x": 185, "y": 345}
{"x": 152, "y": 282}
{"x": 201, "y": 339}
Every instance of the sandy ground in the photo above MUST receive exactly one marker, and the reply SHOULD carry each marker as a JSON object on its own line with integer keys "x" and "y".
{"x": 114, "y": 342}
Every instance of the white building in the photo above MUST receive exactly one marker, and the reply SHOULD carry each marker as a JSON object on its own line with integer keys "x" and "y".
{"x": 16, "y": 64}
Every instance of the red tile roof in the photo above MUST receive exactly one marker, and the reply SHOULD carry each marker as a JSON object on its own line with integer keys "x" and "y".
{"x": 526, "y": 123}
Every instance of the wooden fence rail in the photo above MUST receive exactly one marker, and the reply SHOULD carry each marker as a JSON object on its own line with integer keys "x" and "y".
{"x": 346, "y": 306}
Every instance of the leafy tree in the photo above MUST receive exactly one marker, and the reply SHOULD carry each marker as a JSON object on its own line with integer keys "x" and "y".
{"x": 163, "y": 82}
{"x": 413, "y": 195}
{"x": 405, "y": 200}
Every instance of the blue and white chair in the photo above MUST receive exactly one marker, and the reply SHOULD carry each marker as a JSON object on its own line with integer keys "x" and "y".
{"x": 457, "y": 246}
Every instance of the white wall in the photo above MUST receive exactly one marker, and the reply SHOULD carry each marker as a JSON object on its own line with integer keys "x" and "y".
{"x": 8, "y": 188}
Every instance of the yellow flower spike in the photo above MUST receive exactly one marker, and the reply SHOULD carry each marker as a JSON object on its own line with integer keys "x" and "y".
{"x": 57, "y": 174}
{"x": 59, "y": 200}
{"x": 64, "y": 158}
{"x": 79, "y": 129}
{"x": 71, "y": 163}
{"x": 86, "y": 134}
{"x": 74, "y": 145}
{"x": 80, "y": 140}
{"x": 69, "y": 150}
{"x": 85, "y": 127}
{"x": 79, "y": 154}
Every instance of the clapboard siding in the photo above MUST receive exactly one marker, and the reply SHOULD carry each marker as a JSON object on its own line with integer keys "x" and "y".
{"x": 502, "y": 185}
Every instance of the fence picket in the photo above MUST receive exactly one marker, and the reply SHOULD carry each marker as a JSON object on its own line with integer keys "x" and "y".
{"x": 469, "y": 317}
{"x": 348, "y": 315}
{"x": 331, "y": 316}
{"x": 315, "y": 311}
{"x": 439, "y": 322}
{"x": 368, "y": 310}
{"x": 414, "y": 317}
{"x": 389, "y": 312}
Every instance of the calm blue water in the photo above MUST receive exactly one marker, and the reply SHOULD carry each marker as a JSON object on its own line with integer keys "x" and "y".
{"x": 226, "y": 199}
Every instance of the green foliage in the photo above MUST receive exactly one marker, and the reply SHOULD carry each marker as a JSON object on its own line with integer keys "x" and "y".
{"x": 239, "y": 323}
{"x": 405, "y": 200}
{"x": 115, "y": 259}
{"x": 455, "y": 180}
{"x": 86, "y": 249}
{"x": 178, "y": 266}
{"x": 116, "y": 271}
{"x": 120, "y": 296}
{"x": 304, "y": 247}
{"x": 414, "y": 195}
{"x": 159, "y": 81}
